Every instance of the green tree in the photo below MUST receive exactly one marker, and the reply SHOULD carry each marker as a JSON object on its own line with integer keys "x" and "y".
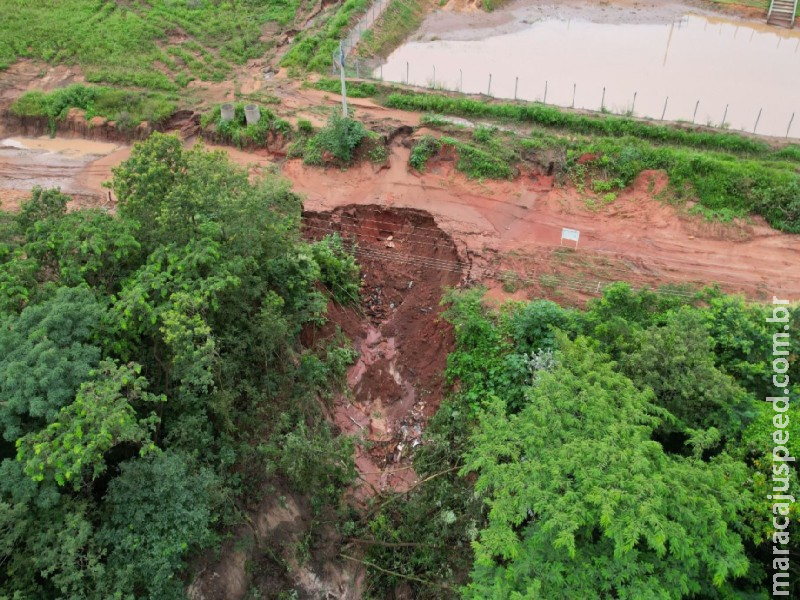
{"x": 532, "y": 325}
{"x": 102, "y": 416}
{"x": 676, "y": 360}
{"x": 743, "y": 341}
{"x": 48, "y": 547}
{"x": 87, "y": 246}
{"x": 42, "y": 206}
{"x": 155, "y": 514}
{"x": 175, "y": 194}
{"x": 45, "y": 354}
{"x": 582, "y": 503}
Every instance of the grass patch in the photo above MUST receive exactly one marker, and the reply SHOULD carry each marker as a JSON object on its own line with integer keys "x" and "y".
{"x": 355, "y": 89}
{"x": 438, "y": 121}
{"x": 477, "y": 163}
{"x": 399, "y": 20}
{"x": 313, "y": 52}
{"x": 491, "y": 5}
{"x": 127, "y": 108}
{"x": 550, "y": 117}
{"x": 484, "y": 157}
{"x": 763, "y": 4}
{"x": 121, "y": 43}
{"x": 425, "y": 149}
{"x": 725, "y": 185}
{"x": 239, "y": 133}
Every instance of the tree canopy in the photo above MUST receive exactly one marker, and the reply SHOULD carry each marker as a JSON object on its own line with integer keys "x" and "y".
{"x": 146, "y": 360}
{"x": 620, "y": 451}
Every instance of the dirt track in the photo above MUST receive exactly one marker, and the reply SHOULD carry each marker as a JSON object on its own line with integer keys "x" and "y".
{"x": 497, "y": 226}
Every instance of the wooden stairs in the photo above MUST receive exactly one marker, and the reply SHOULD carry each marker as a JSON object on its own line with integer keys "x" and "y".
{"x": 781, "y": 12}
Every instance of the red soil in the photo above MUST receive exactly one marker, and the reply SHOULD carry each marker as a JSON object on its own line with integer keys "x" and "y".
{"x": 395, "y": 325}
{"x": 639, "y": 238}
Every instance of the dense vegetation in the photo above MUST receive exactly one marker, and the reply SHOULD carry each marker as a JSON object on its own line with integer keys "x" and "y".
{"x": 123, "y": 42}
{"x": 623, "y": 451}
{"x": 150, "y": 373}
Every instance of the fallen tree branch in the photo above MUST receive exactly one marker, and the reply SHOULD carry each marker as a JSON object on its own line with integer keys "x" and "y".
{"x": 396, "y": 574}
{"x": 391, "y": 544}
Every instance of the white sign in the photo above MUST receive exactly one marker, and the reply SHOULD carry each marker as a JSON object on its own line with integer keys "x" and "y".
{"x": 570, "y": 234}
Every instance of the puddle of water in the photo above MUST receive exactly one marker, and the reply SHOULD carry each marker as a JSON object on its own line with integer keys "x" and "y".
{"x": 748, "y": 67}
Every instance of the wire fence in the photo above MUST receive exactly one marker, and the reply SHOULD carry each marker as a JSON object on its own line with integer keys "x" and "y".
{"x": 425, "y": 76}
{"x": 373, "y": 13}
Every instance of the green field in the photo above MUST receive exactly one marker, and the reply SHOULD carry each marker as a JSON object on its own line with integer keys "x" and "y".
{"x": 160, "y": 45}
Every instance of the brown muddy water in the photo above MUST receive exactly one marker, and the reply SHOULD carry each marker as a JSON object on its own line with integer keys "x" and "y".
{"x": 689, "y": 63}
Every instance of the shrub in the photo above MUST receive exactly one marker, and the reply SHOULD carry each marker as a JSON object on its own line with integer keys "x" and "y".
{"x": 338, "y": 268}
{"x": 305, "y": 127}
{"x": 340, "y": 138}
{"x": 239, "y": 133}
{"x": 423, "y": 150}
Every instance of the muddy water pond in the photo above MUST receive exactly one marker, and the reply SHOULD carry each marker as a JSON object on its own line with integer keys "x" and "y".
{"x": 682, "y": 66}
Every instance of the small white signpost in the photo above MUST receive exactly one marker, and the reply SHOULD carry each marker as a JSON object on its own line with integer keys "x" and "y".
{"x": 570, "y": 234}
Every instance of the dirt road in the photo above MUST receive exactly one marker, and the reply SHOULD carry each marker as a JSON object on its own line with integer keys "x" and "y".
{"x": 496, "y": 226}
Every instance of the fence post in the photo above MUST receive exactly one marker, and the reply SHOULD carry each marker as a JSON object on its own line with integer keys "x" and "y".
{"x": 434, "y": 76}
{"x": 789, "y": 126}
{"x": 757, "y": 119}
{"x": 407, "y": 73}
{"x": 694, "y": 116}
{"x": 574, "y": 88}
{"x": 516, "y": 83}
{"x": 664, "y": 112}
{"x": 489, "y": 90}
{"x": 633, "y": 106}
{"x": 725, "y": 116}
{"x": 603, "y": 100}
{"x": 545, "y": 92}
{"x": 381, "y": 71}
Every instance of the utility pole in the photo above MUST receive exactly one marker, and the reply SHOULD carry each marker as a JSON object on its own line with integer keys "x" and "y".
{"x": 344, "y": 85}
